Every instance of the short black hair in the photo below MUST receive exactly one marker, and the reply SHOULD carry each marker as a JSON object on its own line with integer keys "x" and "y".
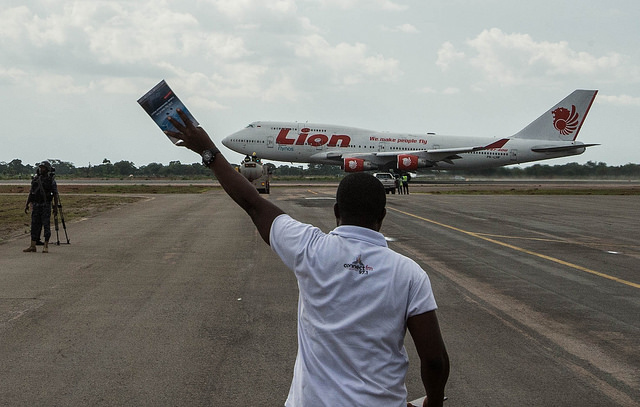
{"x": 361, "y": 199}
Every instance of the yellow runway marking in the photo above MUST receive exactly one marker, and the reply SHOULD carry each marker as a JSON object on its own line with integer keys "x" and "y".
{"x": 537, "y": 239}
{"x": 520, "y": 249}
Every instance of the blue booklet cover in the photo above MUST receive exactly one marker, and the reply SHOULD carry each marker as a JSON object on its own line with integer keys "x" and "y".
{"x": 161, "y": 103}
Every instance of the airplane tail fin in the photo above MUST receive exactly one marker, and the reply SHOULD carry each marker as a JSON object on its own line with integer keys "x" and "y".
{"x": 563, "y": 121}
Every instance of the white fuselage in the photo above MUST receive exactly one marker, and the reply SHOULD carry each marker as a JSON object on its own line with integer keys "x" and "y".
{"x": 330, "y": 144}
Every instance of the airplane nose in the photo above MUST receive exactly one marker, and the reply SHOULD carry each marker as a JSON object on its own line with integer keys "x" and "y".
{"x": 233, "y": 142}
{"x": 227, "y": 141}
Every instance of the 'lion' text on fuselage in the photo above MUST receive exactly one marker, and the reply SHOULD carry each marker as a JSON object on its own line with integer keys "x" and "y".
{"x": 316, "y": 140}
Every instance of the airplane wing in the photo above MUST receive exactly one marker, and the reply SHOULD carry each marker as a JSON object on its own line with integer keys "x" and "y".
{"x": 332, "y": 155}
{"x": 432, "y": 155}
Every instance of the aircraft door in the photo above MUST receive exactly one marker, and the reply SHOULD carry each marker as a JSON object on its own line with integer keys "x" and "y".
{"x": 513, "y": 155}
{"x": 382, "y": 146}
{"x": 270, "y": 142}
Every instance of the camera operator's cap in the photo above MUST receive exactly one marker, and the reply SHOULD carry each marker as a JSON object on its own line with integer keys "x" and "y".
{"x": 45, "y": 164}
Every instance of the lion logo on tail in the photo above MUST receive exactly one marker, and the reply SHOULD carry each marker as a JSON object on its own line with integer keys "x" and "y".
{"x": 565, "y": 121}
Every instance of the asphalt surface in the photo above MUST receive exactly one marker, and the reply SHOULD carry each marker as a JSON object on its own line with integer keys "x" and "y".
{"x": 176, "y": 301}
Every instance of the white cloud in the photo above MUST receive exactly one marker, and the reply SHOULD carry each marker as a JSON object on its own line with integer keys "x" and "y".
{"x": 58, "y": 84}
{"x": 349, "y": 64}
{"x": 351, "y": 4}
{"x": 403, "y": 28}
{"x": 426, "y": 90}
{"x": 155, "y": 34}
{"x": 246, "y": 54}
{"x": 233, "y": 8}
{"x": 390, "y": 5}
{"x": 12, "y": 74}
{"x": 510, "y": 59}
{"x": 281, "y": 90}
{"x": 104, "y": 38}
{"x": 247, "y": 10}
{"x": 132, "y": 31}
{"x": 20, "y": 24}
{"x": 281, "y": 6}
{"x": 115, "y": 85}
{"x": 620, "y": 100}
{"x": 234, "y": 80}
{"x": 555, "y": 58}
{"x": 205, "y": 103}
{"x": 448, "y": 54}
{"x": 446, "y": 91}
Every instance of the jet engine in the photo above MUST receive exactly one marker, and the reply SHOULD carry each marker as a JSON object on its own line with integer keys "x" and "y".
{"x": 408, "y": 162}
{"x": 358, "y": 164}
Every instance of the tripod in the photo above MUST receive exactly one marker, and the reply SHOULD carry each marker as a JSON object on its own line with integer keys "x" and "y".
{"x": 56, "y": 202}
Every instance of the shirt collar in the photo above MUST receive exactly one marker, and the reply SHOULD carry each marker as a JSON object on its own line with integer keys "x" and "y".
{"x": 360, "y": 233}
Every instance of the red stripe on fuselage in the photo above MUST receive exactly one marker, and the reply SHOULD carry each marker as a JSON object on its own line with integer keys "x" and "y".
{"x": 498, "y": 144}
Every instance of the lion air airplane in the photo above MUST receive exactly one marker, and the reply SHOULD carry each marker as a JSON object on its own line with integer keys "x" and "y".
{"x": 551, "y": 135}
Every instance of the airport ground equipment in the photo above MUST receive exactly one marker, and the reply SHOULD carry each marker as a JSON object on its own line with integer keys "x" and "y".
{"x": 257, "y": 173}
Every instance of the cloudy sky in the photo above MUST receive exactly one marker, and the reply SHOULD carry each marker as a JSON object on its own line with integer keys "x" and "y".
{"x": 71, "y": 71}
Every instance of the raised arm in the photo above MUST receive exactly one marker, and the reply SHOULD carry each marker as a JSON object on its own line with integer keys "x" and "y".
{"x": 434, "y": 360}
{"x": 261, "y": 211}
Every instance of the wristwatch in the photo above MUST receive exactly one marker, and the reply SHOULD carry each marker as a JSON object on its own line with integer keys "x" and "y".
{"x": 209, "y": 155}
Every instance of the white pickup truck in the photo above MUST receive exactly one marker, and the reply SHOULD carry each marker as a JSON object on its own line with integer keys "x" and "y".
{"x": 388, "y": 181}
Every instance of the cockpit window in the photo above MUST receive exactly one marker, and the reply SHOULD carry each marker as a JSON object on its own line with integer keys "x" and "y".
{"x": 250, "y": 126}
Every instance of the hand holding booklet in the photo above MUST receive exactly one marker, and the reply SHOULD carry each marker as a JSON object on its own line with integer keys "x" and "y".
{"x": 161, "y": 103}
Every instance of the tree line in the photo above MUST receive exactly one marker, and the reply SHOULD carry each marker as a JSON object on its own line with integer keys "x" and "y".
{"x": 107, "y": 169}
{"x": 176, "y": 169}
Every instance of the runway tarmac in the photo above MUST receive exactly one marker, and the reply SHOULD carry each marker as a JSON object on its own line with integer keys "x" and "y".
{"x": 176, "y": 301}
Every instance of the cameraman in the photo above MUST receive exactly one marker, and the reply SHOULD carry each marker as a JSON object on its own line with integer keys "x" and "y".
{"x": 43, "y": 190}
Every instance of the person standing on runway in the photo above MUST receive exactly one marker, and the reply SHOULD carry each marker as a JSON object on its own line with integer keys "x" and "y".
{"x": 43, "y": 191}
{"x": 357, "y": 297}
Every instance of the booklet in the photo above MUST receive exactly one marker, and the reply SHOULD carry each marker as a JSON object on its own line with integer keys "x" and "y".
{"x": 418, "y": 402}
{"x": 161, "y": 103}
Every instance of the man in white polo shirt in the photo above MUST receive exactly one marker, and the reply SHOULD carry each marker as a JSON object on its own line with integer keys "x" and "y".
{"x": 357, "y": 296}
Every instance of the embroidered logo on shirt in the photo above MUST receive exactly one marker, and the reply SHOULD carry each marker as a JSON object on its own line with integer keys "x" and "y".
{"x": 359, "y": 266}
